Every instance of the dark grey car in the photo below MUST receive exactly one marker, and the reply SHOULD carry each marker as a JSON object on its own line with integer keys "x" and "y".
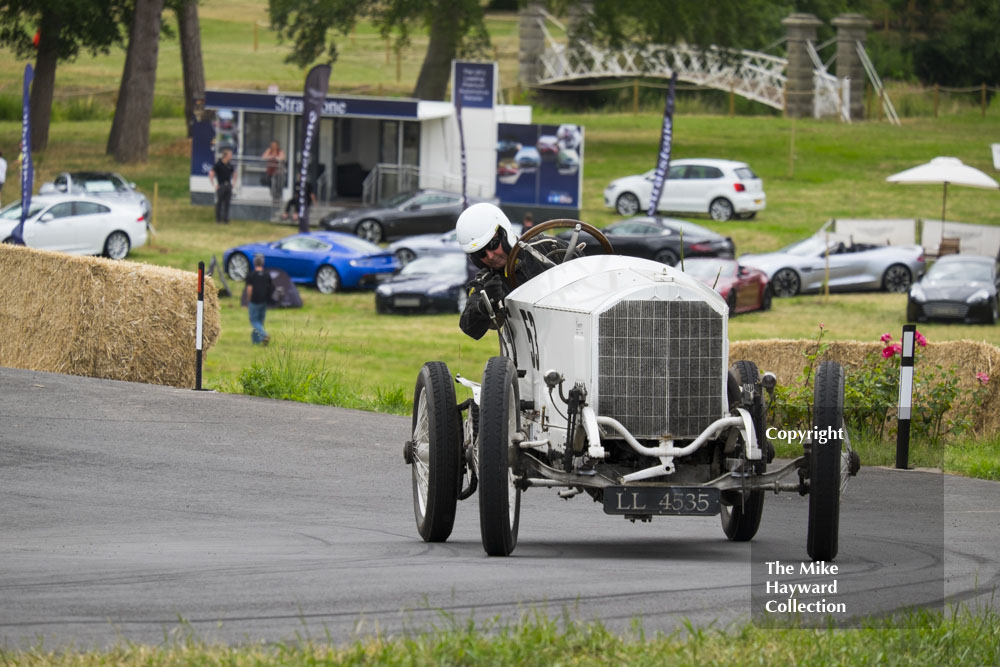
{"x": 404, "y": 214}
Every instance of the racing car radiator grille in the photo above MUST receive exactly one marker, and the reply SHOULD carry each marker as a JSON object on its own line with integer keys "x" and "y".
{"x": 660, "y": 367}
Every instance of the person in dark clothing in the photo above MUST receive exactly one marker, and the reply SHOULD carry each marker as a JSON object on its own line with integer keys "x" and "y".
{"x": 221, "y": 177}
{"x": 259, "y": 289}
{"x": 485, "y": 234}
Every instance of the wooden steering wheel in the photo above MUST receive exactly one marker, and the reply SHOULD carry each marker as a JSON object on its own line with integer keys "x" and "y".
{"x": 544, "y": 227}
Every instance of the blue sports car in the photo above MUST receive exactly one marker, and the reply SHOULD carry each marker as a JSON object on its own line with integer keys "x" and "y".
{"x": 330, "y": 260}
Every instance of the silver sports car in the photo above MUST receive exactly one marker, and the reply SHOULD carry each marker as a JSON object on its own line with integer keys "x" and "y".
{"x": 802, "y": 266}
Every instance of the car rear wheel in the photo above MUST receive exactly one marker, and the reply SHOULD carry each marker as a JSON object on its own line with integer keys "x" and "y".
{"x": 627, "y": 204}
{"x": 499, "y": 420}
{"x": 721, "y": 209}
{"x": 117, "y": 245}
{"x": 370, "y": 230}
{"x": 404, "y": 256}
{"x": 785, "y": 283}
{"x": 434, "y": 453}
{"x": 824, "y": 462}
{"x": 741, "y": 512}
{"x": 896, "y": 278}
{"x": 666, "y": 256}
{"x": 238, "y": 266}
{"x": 327, "y": 279}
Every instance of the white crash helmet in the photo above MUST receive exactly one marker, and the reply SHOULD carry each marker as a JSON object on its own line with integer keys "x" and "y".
{"x": 478, "y": 224}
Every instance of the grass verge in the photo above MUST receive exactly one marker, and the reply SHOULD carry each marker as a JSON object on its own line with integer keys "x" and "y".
{"x": 919, "y": 638}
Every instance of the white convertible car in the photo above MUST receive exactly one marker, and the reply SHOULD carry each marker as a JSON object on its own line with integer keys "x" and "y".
{"x": 614, "y": 382}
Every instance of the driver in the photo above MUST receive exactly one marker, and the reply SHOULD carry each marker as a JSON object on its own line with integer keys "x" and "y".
{"x": 486, "y": 236}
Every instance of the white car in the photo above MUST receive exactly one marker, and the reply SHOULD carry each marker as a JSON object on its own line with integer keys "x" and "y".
{"x": 78, "y": 225}
{"x": 614, "y": 383}
{"x": 723, "y": 189}
{"x": 101, "y": 184}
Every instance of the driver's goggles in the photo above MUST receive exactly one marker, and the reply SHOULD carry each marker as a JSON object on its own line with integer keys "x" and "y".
{"x": 492, "y": 245}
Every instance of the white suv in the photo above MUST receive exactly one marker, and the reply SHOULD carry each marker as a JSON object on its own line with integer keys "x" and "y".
{"x": 723, "y": 189}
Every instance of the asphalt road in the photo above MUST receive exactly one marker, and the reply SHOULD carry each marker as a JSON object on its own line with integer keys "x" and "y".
{"x": 144, "y": 513}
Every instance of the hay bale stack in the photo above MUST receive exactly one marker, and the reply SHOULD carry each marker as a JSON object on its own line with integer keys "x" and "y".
{"x": 785, "y": 358}
{"x": 96, "y": 317}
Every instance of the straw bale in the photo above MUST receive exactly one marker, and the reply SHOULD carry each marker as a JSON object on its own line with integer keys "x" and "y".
{"x": 96, "y": 317}
{"x": 785, "y": 358}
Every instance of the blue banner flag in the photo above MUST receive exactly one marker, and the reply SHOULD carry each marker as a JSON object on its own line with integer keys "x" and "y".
{"x": 27, "y": 171}
{"x": 317, "y": 83}
{"x": 666, "y": 139}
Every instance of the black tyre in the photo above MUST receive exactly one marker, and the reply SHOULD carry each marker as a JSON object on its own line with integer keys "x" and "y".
{"x": 238, "y": 266}
{"x": 666, "y": 256}
{"x": 731, "y": 302}
{"x": 499, "y": 420}
{"x": 721, "y": 209}
{"x": 741, "y": 512}
{"x": 117, "y": 245}
{"x": 370, "y": 230}
{"x": 627, "y": 204}
{"x": 436, "y": 452}
{"x": 897, "y": 278}
{"x": 405, "y": 256}
{"x": 766, "y": 298}
{"x": 824, "y": 463}
{"x": 994, "y": 311}
{"x": 327, "y": 279}
{"x": 785, "y": 283}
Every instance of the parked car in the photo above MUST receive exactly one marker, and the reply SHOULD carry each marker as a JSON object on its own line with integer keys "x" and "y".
{"x": 744, "y": 288}
{"x": 330, "y": 260}
{"x": 403, "y": 214}
{"x": 801, "y": 267}
{"x": 77, "y": 224}
{"x": 430, "y": 284}
{"x": 659, "y": 239}
{"x": 723, "y": 189}
{"x": 957, "y": 287}
{"x": 102, "y": 184}
{"x": 408, "y": 249}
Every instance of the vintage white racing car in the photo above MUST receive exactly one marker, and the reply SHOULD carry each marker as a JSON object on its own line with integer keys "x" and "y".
{"x": 614, "y": 381}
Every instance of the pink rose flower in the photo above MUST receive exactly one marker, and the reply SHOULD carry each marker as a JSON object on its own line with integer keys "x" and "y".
{"x": 919, "y": 337}
{"x": 886, "y": 337}
{"x": 983, "y": 378}
{"x": 888, "y": 351}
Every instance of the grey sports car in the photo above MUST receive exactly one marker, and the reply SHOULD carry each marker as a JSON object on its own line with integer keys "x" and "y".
{"x": 802, "y": 266}
{"x": 411, "y": 247}
{"x": 404, "y": 214}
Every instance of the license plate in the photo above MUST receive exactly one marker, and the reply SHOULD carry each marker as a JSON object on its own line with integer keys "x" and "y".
{"x": 406, "y": 301}
{"x": 693, "y": 500}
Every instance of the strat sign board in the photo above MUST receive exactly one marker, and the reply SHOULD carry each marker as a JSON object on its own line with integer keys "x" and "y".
{"x": 540, "y": 165}
{"x": 292, "y": 104}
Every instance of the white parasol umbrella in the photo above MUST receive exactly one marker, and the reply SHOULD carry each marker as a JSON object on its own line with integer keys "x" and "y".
{"x": 945, "y": 170}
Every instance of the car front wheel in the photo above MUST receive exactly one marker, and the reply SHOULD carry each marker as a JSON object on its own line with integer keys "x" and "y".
{"x": 721, "y": 209}
{"x": 666, "y": 256}
{"x": 370, "y": 230}
{"x": 327, "y": 279}
{"x": 627, "y": 204}
{"x": 238, "y": 266}
{"x": 499, "y": 422}
{"x": 785, "y": 283}
{"x": 824, "y": 462}
{"x": 117, "y": 245}
{"x": 404, "y": 256}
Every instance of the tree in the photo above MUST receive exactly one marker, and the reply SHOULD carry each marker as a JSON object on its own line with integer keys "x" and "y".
{"x": 129, "y": 138}
{"x": 191, "y": 62}
{"x": 456, "y": 28}
{"x": 63, "y": 29}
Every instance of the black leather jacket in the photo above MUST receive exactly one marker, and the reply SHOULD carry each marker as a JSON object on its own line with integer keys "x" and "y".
{"x": 475, "y": 320}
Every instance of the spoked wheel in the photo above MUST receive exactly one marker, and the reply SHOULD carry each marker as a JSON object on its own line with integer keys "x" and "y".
{"x": 116, "y": 246}
{"x": 897, "y": 279}
{"x": 370, "y": 230}
{"x": 499, "y": 420}
{"x": 435, "y": 452}
{"x": 824, "y": 462}
{"x": 238, "y": 266}
{"x": 741, "y": 511}
{"x": 327, "y": 279}
{"x": 785, "y": 283}
{"x": 627, "y": 204}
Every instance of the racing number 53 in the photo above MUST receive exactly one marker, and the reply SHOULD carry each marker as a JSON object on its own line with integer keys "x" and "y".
{"x": 529, "y": 328}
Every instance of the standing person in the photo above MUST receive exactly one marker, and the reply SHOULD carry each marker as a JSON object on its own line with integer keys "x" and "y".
{"x": 259, "y": 289}
{"x": 528, "y": 221}
{"x": 3, "y": 174}
{"x": 486, "y": 236}
{"x": 221, "y": 177}
{"x": 275, "y": 158}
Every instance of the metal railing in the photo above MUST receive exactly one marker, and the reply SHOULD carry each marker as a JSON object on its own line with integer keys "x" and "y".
{"x": 387, "y": 179}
